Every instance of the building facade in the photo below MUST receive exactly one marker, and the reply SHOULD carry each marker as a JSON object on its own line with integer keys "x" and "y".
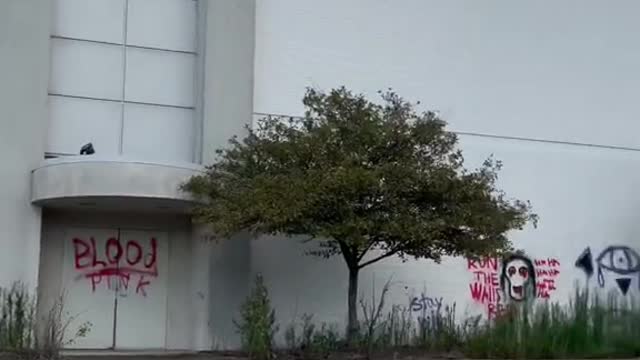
{"x": 155, "y": 86}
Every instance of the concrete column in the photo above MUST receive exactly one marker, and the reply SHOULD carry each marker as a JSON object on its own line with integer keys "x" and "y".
{"x": 24, "y": 69}
{"x": 229, "y": 41}
{"x": 227, "y": 106}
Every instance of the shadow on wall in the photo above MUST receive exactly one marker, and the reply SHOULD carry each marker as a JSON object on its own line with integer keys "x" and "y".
{"x": 229, "y": 285}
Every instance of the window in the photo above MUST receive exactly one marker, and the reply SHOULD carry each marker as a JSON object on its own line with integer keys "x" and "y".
{"x": 123, "y": 78}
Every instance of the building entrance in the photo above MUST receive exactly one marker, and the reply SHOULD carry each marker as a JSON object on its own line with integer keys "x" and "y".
{"x": 115, "y": 280}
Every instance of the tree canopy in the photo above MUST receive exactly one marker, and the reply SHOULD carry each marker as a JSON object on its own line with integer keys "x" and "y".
{"x": 367, "y": 180}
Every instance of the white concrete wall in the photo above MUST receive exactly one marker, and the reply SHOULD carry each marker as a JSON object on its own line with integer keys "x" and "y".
{"x": 227, "y": 105}
{"x": 559, "y": 71}
{"x": 228, "y": 36}
{"x": 24, "y": 66}
{"x": 182, "y": 288}
{"x": 562, "y": 70}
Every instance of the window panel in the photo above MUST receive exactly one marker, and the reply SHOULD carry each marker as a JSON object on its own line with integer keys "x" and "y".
{"x": 75, "y": 122}
{"x": 158, "y": 133}
{"x": 86, "y": 69}
{"x": 101, "y": 20}
{"x": 160, "y": 77}
{"x": 166, "y": 24}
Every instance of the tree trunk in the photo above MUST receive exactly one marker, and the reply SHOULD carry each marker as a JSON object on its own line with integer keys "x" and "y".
{"x": 353, "y": 326}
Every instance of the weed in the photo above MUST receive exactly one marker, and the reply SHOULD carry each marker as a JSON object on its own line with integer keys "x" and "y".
{"x": 313, "y": 341}
{"x": 396, "y": 329}
{"x": 257, "y": 326}
{"x": 373, "y": 318}
{"x": 17, "y": 310}
{"x": 55, "y": 332}
{"x": 17, "y": 325}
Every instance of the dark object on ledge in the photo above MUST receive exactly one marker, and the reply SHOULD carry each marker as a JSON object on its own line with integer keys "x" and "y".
{"x": 87, "y": 149}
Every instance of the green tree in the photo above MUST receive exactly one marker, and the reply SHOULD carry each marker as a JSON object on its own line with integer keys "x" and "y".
{"x": 366, "y": 180}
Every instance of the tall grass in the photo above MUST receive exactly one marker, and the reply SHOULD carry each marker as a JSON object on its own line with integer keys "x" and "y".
{"x": 17, "y": 309}
{"x": 589, "y": 326}
{"x": 18, "y": 325}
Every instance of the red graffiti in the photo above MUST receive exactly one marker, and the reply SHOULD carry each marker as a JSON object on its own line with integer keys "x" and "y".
{"x": 483, "y": 264}
{"x": 495, "y": 309}
{"x": 485, "y": 284}
{"x": 117, "y": 260}
{"x": 547, "y": 270}
{"x": 547, "y": 262}
{"x": 140, "y": 289}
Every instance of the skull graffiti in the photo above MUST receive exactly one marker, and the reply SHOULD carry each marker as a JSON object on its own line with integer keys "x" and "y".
{"x": 518, "y": 277}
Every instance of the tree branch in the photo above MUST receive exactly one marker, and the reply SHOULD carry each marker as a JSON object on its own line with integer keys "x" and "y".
{"x": 364, "y": 252}
{"x": 311, "y": 238}
{"x": 383, "y": 256}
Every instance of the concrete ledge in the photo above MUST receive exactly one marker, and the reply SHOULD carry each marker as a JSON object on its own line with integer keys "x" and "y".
{"x": 57, "y": 181}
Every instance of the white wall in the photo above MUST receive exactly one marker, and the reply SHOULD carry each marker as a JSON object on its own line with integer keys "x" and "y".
{"x": 561, "y": 71}
{"x": 24, "y": 35}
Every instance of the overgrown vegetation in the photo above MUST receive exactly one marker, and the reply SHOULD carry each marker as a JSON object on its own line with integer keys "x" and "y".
{"x": 54, "y": 336}
{"x": 257, "y": 325}
{"x": 312, "y": 341}
{"x": 17, "y": 310}
{"x": 589, "y": 326}
{"x": 18, "y": 328}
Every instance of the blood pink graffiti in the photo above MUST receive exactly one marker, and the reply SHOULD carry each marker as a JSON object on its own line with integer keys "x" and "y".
{"x": 117, "y": 260}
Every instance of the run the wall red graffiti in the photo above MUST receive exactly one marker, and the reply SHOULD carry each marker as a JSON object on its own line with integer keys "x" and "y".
{"x": 119, "y": 260}
{"x": 485, "y": 286}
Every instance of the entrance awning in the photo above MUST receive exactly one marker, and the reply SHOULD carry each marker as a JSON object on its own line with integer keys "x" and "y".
{"x": 81, "y": 181}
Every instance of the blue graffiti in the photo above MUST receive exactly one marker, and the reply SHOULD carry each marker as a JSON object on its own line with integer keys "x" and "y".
{"x": 423, "y": 303}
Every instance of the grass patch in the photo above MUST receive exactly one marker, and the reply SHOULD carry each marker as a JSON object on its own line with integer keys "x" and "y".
{"x": 588, "y": 327}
